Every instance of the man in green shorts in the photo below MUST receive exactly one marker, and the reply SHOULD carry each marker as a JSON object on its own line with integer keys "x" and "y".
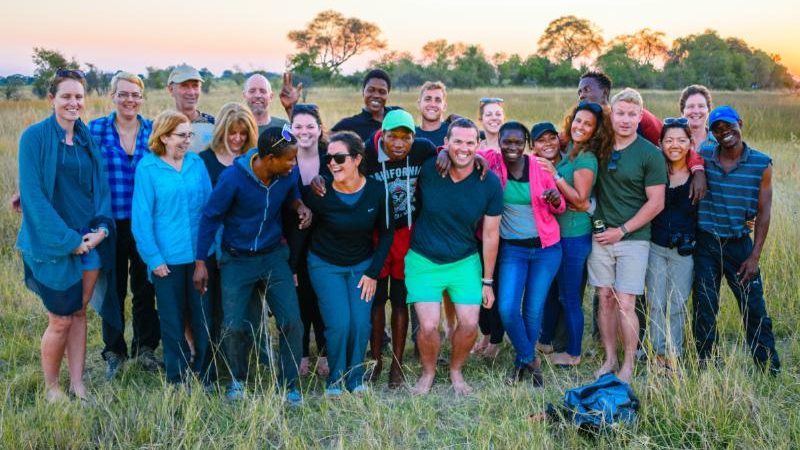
{"x": 444, "y": 251}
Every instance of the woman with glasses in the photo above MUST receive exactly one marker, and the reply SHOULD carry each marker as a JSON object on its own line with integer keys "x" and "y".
{"x": 530, "y": 250}
{"x": 122, "y": 138}
{"x": 306, "y": 126}
{"x": 66, "y": 218}
{"x": 171, "y": 189}
{"x": 491, "y": 116}
{"x": 343, "y": 262}
{"x": 588, "y": 133}
{"x": 670, "y": 266}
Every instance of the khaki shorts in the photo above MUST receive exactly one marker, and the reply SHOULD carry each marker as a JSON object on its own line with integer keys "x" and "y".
{"x": 622, "y": 266}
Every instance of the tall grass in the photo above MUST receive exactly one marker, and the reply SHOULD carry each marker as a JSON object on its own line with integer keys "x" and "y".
{"x": 729, "y": 406}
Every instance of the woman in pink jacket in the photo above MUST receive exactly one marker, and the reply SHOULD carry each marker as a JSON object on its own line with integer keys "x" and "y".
{"x": 530, "y": 251}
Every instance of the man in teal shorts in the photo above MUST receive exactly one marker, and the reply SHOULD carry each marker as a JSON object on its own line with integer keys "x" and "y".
{"x": 444, "y": 251}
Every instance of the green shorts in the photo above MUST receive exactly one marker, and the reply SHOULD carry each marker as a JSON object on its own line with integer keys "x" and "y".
{"x": 426, "y": 280}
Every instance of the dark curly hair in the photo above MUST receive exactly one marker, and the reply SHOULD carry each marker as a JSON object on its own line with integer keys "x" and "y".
{"x": 601, "y": 141}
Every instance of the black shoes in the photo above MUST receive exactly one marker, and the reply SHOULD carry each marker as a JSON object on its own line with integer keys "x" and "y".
{"x": 531, "y": 371}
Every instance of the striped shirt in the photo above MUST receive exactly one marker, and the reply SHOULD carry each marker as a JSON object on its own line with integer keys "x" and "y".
{"x": 120, "y": 167}
{"x": 732, "y": 197}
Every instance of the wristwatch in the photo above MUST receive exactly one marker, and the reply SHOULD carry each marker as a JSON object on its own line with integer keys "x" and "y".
{"x": 624, "y": 230}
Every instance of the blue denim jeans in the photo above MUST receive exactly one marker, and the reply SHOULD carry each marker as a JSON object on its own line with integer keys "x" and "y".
{"x": 346, "y": 316}
{"x": 525, "y": 275}
{"x": 714, "y": 258}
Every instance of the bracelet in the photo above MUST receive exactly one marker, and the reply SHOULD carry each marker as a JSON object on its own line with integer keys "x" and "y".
{"x": 557, "y": 177}
{"x": 487, "y": 280}
{"x": 488, "y": 283}
{"x": 103, "y": 229}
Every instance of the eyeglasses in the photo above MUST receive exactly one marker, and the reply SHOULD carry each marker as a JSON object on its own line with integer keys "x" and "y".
{"x": 70, "y": 73}
{"x": 615, "y": 156}
{"x": 183, "y": 136}
{"x": 676, "y": 122}
{"x": 305, "y": 107}
{"x": 486, "y": 100}
{"x": 132, "y": 95}
{"x": 591, "y": 106}
{"x": 286, "y": 135}
{"x": 339, "y": 158}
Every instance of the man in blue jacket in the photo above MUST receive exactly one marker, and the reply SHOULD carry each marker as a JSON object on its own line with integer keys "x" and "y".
{"x": 247, "y": 201}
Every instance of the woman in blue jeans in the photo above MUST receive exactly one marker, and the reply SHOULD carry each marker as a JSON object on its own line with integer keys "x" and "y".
{"x": 530, "y": 250}
{"x": 587, "y": 131}
{"x": 343, "y": 262}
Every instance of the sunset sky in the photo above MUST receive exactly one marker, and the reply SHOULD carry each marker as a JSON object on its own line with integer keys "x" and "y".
{"x": 252, "y": 34}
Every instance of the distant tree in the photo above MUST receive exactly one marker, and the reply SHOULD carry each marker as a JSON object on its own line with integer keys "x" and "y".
{"x": 331, "y": 39}
{"x": 625, "y": 70}
{"x": 646, "y": 46}
{"x": 404, "y": 71}
{"x": 472, "y": 69}
{"x": 510, "y": 69}
{"x": 97, "y": 80}
{"x": 570, "y": 37}
{"x": 208, "y": 79}
{"x": 13, "y": 86}
{"x": 47, "y": 62}
{"x": 157, "y": 78}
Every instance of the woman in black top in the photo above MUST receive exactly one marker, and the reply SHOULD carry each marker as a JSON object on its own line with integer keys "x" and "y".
{"x": 342, "y": 260}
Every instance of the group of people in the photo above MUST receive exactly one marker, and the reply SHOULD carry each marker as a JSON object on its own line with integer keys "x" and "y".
{"x": 219, "y": 222}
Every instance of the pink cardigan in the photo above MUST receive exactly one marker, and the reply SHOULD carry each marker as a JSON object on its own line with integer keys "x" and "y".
{"x": 540, "y": 181}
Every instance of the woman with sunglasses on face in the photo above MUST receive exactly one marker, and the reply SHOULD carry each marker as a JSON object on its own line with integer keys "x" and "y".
{"x": 312, "y": 147}
{"x": 670, "y": 265}
{"x": 491, "y": 116}
{"x": 122, "y": 138}
{"x": 171, "y": 190}
{"x": 342, "y": 261}
{"x": 530, "y": 251}
{"x": 588, "y": 133}
{"x": 66, "y": 218}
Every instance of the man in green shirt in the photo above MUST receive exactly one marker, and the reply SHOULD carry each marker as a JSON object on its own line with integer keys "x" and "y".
{"x": 631, "y": 186}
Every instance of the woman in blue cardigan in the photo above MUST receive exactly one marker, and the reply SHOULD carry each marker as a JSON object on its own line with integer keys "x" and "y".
{"x": 66, "y": 218}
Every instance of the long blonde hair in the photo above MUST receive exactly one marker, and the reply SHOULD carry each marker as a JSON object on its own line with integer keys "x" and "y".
{"x": 234, "y": 113}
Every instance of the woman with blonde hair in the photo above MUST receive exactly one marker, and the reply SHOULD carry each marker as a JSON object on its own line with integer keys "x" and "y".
{"x": 235, "y": 133}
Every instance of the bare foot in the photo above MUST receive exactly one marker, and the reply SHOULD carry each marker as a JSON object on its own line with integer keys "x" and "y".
{"x": 480, "y": 345}
{"x": 54, "y": 395}
{"x": 492, "y": 350}
{"x": 322, "y": 366}
{"x": 565, "y": 359}
{"x": 423, "y": 385}
{"x": 459, "y": 385}
{"x": 396, "y": 378}
{"x": 607, "y": 367}
{"x": 544, "y": 348}
{"x": 79, "y": 391}
{"x": 303, "y": 369}
{"x": 625, "y": 373}
{"x": 376, "y": 371}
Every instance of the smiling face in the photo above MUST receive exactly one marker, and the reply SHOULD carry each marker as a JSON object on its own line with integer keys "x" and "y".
{"x": 282, "y": 164}
{"x": 696, "y": 110}
{"x": 583, "y": 126}
{"x": 257, "y": 94}
{"x": 376, "y": 94}
{"x": 178, "y": 141}
{"x": 347, "y": 170}
{"x": 676, "y": 144}
{"x": 127, "y": 99}
{"x": 461, "y": 146}
{"x": 69, "y": 100}
{"x": 186, "y": 94}
{"x": 236, "y": 136}
{"x": 547, "y": 146}
{"x": 397, "y": 143}
{"x": 306, "y": 129}
{"x": 492, "y": 117}
{"x": 625, "y": 118}
{"x": 728, "y": 135}
{"x": 432, "y": 105}
{"x": 512, "y": 145}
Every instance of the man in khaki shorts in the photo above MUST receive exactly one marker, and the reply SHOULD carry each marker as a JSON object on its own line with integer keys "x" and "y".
{"x": 631, "y": 185}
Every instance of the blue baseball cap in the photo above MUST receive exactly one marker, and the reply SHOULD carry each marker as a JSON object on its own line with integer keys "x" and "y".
{"x": 724, "y": 113}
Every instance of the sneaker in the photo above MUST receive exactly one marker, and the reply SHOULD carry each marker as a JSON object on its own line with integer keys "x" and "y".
{"x": 294, "y": 398}
{"x": 147, "y": 358}
{"x": 359, "y": 390}
{"x": 516, "y": 374}
{"x": 333, "y": 393}
{"x": 113, "y": 364}
{"x": 530, "y": 371}
{"x": 235, "y": 391}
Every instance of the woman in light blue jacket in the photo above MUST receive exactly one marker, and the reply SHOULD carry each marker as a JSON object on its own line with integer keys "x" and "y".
{"x": 170, "y": 190}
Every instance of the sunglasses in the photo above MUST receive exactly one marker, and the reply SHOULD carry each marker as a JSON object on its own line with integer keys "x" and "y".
{"x": 676, "y": 122}
{"x": 486, "y": 100}
{"x": 305, "y": 107}
{"x": 286, "y": 135}
{"x": 70, "y": 73}
{"x": 339, "y": 158}
{"x": 591, "y": 106}
{"x": 615, "y": 156}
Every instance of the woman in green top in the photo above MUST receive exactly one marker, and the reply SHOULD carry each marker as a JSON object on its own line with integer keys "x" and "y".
{"x": 588, "y": 135}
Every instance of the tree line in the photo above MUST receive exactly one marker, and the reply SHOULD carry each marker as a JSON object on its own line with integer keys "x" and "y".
{"x": 568, "y": 46}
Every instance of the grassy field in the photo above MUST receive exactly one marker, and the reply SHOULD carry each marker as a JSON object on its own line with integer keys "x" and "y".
{"x": 731, "y": 406}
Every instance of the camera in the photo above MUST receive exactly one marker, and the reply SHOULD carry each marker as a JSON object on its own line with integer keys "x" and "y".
{"x": 683, "y": 242}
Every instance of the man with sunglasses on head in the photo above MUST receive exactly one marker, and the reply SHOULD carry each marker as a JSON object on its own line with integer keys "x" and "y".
{"x": 185, "y": 85}
{"x": 257, "y": 93}
{"x": 630, "y": 193}
{"x": 739, "y": 191}
{"x": 247, "y": 201}
{"x": 375, "y": 90}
